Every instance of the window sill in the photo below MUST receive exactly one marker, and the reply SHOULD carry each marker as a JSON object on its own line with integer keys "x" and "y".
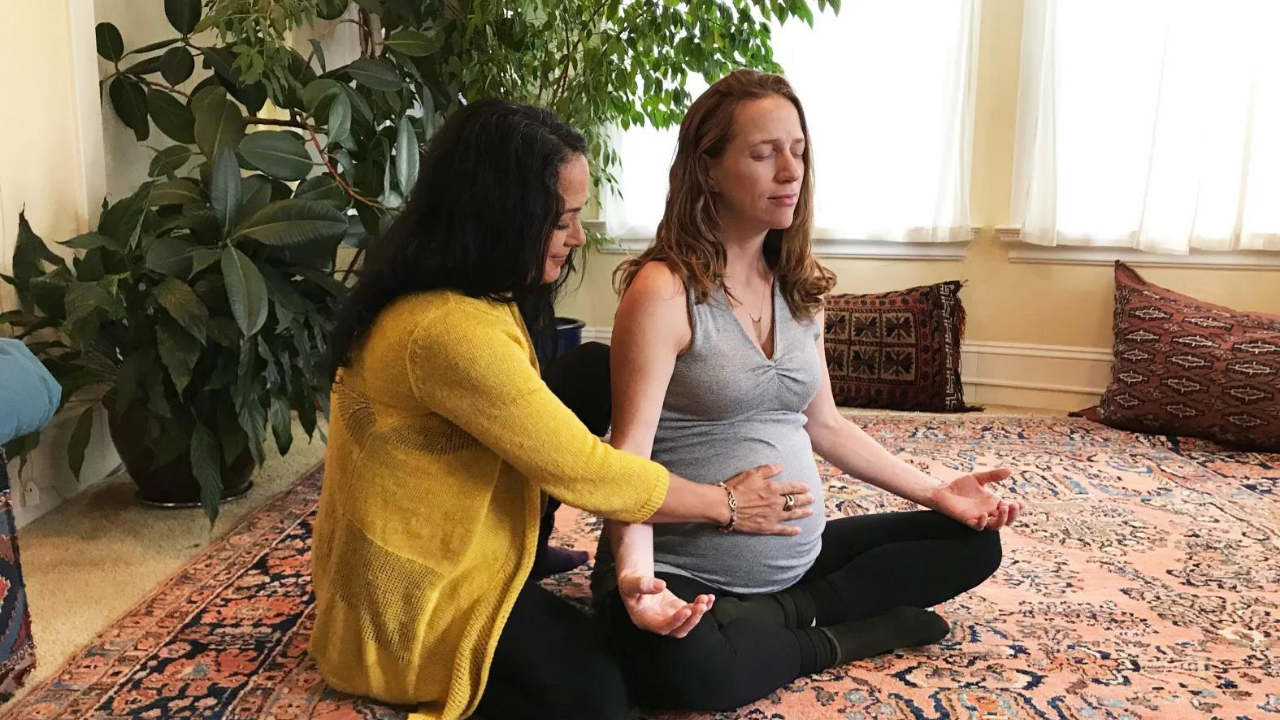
{"x": 1021, "y": 252}
{"x": 630, "y": 243}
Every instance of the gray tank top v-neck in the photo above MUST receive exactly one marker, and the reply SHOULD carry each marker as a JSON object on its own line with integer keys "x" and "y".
{"x": 729, "y": 408}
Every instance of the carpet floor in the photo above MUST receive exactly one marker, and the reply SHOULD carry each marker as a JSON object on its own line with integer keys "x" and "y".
{"x": 1143, "y": 582}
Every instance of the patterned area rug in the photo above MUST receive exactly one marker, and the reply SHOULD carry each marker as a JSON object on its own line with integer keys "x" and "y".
{"x": 1144, "y": 582}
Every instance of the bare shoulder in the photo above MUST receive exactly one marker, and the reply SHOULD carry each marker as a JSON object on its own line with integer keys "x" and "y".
{"x": 654, "y": 306}
{"x": 656, "y": 283}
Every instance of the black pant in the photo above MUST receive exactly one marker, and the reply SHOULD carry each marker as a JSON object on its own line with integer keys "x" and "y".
{"x": 868, "y": 564}
{"x": 552, "y": 661}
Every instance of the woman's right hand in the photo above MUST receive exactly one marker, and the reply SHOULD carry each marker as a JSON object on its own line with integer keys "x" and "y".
{"x": 653, "y": 607}
{"x": 762, "y": 502}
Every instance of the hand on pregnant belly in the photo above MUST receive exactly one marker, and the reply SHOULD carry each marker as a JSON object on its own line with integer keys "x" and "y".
{"x": 654, "y": 608}
{"x": 765, "y": 505}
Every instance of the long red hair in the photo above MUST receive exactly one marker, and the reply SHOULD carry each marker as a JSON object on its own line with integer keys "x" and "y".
{"x": 688, "y": 238}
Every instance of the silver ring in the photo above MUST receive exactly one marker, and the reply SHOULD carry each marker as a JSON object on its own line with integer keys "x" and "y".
{"x": 789, "y": 503}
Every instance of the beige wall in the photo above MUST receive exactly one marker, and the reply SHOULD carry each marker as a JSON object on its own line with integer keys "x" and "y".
{"x": 1010, "y": 303}
{"x": 48, "y": 166}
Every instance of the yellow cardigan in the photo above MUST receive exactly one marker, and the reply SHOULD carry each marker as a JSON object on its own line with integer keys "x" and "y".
{"x": 443, "y": 440}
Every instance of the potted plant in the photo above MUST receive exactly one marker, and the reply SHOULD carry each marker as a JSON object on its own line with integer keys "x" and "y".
{"x": 197, "y": 312}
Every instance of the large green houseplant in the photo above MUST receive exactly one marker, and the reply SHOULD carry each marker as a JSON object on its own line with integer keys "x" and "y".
{"x": 197, "y": 313}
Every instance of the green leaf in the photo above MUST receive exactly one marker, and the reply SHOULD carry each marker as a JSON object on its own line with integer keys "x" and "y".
{"x": 230, "y": 434}
{"x": 176, "y": 65}
{"x": 171, "y": 116}
{"x": 257, "y": 193}
{"x": 224, "y": 331}
{"x": 89, "y": 241}
{"x": 183, "y": 15}
{"x": 413, "y": 43}
{"x": 318, "y": 50}
{"x": 157, "y": 401}
{"x": 219, "y": 122}
{"x": 169, "y": 160}
{"x": 246, "y": 290}
{"x": 123, "y": 220}
{"x": 179, "y": 351}
{"x": 110, "y": 44}
{"x": 203, "y": 257}
{"x": 80, "y": 440}
{"x": 322, "y": 188}
{"x": 280, "y": 154}
{"x": 145, "y": 66}
{"x": 206, "y": 465}
{"x": 281, "y": 424}
{"x": 130, "y": 103}
{"x": 171, "y": 255}
{"x": 373, "y": 6}
{"x": 176, "y": 192}
{"x": 30, "y": 253}
{"x": 49, "y": 292}
{"x": 130, "y": 380}
{"x": 152, "y": 47}
{"x": 406, "y": 156}
{"x": 317, "y": 95}
{"x": 293, "y": 222}
{"x": 185, "y": 306}
{"x": 225, "y": 191}
{"x": 339, "y": 119}
{"x": 375, "y": 74}
{"x": 804, "y": 13}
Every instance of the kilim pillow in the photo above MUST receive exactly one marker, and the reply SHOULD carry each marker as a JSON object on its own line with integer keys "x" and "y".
{"x": 1186, "y": 367}
{"x": 898, "y": 350}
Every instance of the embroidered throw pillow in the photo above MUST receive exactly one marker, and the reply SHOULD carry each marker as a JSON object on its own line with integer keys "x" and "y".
{"x": 897, "y": 350}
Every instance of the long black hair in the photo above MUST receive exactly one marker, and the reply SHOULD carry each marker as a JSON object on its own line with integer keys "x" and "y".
{"x": 479, "y": 220}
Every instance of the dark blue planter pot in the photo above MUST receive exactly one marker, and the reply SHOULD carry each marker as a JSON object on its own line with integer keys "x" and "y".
{"x": 568, "y": 334}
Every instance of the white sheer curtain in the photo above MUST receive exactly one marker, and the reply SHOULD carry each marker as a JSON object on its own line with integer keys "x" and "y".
{"x": 887, "y": 87}
{"x": 1149, "y": 124}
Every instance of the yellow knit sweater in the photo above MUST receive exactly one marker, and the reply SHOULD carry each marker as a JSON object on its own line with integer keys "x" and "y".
{"x": 443, "y": 440}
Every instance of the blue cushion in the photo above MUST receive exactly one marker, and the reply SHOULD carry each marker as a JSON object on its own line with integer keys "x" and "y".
{"x": 28, "y": 393}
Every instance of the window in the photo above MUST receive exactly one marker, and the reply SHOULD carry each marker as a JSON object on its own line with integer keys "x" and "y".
{"x": 1149, "y": 124}
{"x": 887, "y": 87}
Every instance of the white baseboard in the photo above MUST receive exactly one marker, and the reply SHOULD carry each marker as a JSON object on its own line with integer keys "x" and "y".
{"x": 47, "y": 481}
{"x": 1054, "y": 377}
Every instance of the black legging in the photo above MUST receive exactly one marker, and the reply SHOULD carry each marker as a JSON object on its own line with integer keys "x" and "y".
{"x": 869, "y": 564}
{"x": 552, "y": 661}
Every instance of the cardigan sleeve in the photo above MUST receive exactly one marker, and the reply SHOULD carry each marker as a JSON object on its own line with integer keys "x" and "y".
{"x": 473, "y": 368}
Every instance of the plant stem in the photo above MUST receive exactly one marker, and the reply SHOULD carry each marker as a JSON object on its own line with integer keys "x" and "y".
{"x": 324, "y": 158}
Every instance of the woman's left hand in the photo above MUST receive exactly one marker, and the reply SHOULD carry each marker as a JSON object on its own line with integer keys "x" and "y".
{"x": 968, "y": 500}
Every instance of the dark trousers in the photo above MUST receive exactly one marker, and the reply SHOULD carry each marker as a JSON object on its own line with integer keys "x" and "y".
{"x": 553, "y": 661}
{"x": 869, "y": 564}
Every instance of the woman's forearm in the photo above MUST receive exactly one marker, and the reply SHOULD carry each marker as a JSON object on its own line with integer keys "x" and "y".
{"x": 846, "y": 446}
{"x": 690, "y": 502}
{"x": 632, "y": 545}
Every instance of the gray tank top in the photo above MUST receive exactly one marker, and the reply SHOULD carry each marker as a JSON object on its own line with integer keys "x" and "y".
{"x": 729, "y": 408}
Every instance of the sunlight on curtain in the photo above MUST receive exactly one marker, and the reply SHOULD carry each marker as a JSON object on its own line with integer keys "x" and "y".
{"x": 1151, "y": 124}
{"x": 887, "y": 87}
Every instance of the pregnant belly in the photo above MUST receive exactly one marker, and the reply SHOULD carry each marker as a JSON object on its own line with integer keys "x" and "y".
{"x": 735, "y": 562}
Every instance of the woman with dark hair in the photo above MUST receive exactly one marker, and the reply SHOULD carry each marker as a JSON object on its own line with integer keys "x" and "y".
{"x": 445, "y": 445}
{"x": 718, "y": 360}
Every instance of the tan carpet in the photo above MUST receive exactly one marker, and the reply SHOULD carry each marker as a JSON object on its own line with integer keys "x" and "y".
{"x": 92, "y": 559}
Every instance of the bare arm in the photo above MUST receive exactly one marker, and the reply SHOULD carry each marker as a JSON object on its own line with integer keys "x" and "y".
{"x": 849, "y": 448}
{"x": 649, "y": 332}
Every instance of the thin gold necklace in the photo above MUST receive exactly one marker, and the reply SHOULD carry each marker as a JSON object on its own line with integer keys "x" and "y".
{"x": 756, "y": 319}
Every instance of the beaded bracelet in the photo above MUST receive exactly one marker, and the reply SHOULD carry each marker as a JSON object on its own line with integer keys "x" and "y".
{"x": 733, "y": 510}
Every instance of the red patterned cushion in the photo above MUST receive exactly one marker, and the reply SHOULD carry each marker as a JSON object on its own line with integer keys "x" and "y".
{"x": 1186, "y": 367}
{"x": 897, "y": 350}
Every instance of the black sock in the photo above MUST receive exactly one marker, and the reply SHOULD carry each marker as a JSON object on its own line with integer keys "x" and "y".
{"x": 790, "y": 608}
{"x": 900, "y": 627}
